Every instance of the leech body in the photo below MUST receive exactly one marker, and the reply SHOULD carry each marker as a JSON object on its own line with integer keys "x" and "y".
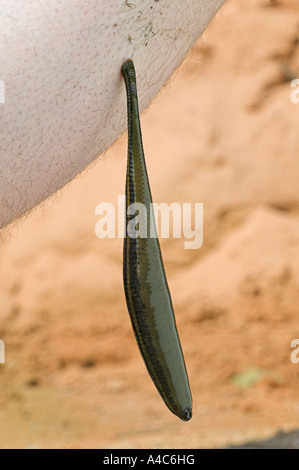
{"x": 146, "y": 289}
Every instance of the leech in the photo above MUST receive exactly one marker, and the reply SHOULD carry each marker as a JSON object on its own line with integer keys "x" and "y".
{"x": 146, "y": 289}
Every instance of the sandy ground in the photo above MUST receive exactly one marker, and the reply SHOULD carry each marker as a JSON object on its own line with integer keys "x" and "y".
{"x": 223, "y": 132}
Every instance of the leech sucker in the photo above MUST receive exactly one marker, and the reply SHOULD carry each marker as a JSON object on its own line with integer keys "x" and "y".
{"x": 146, "y": 289}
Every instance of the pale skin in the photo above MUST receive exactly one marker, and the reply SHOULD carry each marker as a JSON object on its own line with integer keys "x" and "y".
{"x": 64, "y": 94}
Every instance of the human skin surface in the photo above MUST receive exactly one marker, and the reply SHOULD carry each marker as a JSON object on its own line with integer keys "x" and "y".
{"x": 63, "y": 98}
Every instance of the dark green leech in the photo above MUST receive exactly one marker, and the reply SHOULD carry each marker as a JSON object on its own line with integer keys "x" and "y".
{"x": 147, "y": 294}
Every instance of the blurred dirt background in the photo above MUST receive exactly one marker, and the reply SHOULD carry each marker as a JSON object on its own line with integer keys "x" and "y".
{"x": 223, "y": 132}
